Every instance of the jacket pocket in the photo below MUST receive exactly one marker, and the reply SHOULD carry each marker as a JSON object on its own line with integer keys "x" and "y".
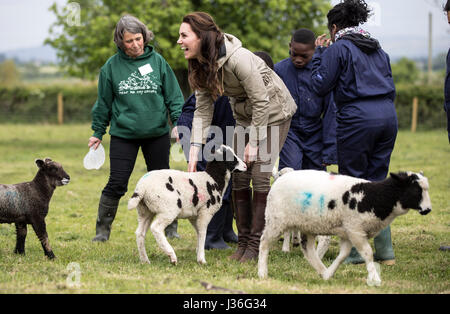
{"x": 242, "y": 108}
{"x": 310, "y": 105}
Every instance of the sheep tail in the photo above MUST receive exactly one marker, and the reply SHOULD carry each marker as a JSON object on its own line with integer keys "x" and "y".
{"x": 276, "y": 174}
{"x": 134, "y": 200}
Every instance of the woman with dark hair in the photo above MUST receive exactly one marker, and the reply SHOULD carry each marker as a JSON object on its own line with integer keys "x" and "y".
{"x": 261, "y": 104}
{"x": 136, "y": 91}
{"x": 358, "y": 72}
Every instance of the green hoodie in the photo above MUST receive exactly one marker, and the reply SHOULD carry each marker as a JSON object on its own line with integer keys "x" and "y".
{"x": 135, "y": 96}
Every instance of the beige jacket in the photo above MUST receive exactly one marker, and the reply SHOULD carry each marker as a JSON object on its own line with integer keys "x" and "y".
{"x": 258, "y": 96}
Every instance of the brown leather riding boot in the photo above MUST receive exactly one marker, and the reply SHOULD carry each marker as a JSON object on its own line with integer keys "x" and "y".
{"x": 242, "y": 202}
{"x": 258, "y": 223}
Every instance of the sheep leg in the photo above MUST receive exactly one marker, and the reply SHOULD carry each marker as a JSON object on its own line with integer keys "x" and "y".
{"x": 309, "y": 250}
{"x": 322, "y": 245}
{"x": 296, "y": 236}
{"x": 286, "y": 241}
{"x": 364, "y": 248}
{"x": 345, "y": 248}
{"x": 269, "y": 236}
{"x": 201, "y": 223}
{"x": 144, "y": 219}
{"x": 21, "y": 234}
{"x": 41, "y": 231}
{"x": 157, "y": 227}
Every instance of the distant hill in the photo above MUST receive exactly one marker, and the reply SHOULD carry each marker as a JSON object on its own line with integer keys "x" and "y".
{"x": 44, "y": 54}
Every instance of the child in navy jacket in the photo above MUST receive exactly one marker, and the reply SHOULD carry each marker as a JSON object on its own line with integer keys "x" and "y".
{"x": 311, "y": 141}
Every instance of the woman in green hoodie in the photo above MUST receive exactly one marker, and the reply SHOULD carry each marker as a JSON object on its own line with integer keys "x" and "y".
{"x": 137, "y": 90}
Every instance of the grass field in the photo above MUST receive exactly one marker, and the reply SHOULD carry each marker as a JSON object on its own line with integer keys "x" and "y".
{"x": 82, "y": 266}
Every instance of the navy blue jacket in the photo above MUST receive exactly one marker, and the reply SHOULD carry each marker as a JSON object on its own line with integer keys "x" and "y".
{"x": 351, "y": 74}
{"x": 314, "y": 113}
{"x": 222, "y": 117}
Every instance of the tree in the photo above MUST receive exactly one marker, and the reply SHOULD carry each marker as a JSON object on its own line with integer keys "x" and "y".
{"x": 9, "y": 74}
{"x": 405, "y": 71}
{"x": 82, "y": 35}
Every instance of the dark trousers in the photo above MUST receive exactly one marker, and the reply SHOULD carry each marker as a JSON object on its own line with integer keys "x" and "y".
{"x": 123, "y": 154}
{"x": 366, "y": 134}
{"x": 302, "y": 152}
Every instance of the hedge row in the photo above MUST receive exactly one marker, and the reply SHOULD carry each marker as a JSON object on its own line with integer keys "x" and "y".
{"x": 39, "y": 105}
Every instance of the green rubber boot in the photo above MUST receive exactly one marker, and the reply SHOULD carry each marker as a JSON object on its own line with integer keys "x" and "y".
{"x": 354, "y": 257}
{"x": 171, "y": 230}
{"x": 384, "y": 253}
{"x": 107, "y": 209}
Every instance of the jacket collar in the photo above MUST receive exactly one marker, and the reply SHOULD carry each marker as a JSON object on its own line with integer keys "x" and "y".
{"x": 231, "y": 45}
{"x": 148, "y": 50}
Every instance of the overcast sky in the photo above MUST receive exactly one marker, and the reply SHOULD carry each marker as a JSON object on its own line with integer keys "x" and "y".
{"x": 400, "y": 25}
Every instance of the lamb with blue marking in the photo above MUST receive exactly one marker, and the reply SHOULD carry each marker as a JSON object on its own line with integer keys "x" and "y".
{"x": 161, "y": 196}
{"x": 319, "y": 203}
{"x": 27, "y": 203}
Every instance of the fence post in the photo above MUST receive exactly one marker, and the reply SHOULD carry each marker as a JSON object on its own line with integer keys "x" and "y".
{"x": 415, "y": 108}
{"x": 60, "y": 109}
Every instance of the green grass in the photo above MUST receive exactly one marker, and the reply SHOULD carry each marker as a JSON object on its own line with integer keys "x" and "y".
{"x": 114, "y": 267}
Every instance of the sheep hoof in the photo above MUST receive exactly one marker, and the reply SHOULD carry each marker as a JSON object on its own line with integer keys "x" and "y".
{"x": 202, "y": 262}
{"x": 262, "y": 274}
{"x": 374, "y": 280}
{"x": 326, "y": 275}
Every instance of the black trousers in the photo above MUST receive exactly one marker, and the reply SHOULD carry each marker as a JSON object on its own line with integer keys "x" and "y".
{"x": 123, "y": 154}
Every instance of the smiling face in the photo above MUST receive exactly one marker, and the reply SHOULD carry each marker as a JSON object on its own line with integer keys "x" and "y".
{"x": 189, "y": 42}
{"x": 301, "y": 54}
{"x": 133, "y": 44}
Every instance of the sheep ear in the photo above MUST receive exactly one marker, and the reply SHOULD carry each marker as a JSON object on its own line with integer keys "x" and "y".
{"x": 397, "y": 177}
{"x": 47, "y": 160}
{"x": 421, "y": 172}
{"x": 220, "y": 150}
{"x": 40, "y": 163}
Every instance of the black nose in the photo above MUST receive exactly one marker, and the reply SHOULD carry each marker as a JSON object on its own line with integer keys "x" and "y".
{"x": 425, "y": 211}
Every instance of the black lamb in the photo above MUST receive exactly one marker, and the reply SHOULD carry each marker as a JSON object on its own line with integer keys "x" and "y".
{"x": 27, "y": 203}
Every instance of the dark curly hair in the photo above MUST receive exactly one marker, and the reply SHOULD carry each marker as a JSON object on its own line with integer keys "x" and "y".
{"x": 348, "y": 13}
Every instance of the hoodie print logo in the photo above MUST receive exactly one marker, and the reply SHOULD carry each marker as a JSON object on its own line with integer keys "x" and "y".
{"x": 138, "y": 84}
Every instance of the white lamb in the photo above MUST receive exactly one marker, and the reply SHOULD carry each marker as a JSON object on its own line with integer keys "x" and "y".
{"x": 161, "y": 196}
{"x": 294, "y": 235}
{"x": 319, "y": 203}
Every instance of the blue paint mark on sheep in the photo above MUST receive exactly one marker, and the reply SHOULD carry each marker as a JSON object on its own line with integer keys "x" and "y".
{"x": 304, "y": 201}
{"x": 11, "y": 197}
{"x": 321, "y": 204}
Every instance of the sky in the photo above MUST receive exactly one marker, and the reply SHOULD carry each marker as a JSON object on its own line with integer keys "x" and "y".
{"x": 401, "y": 26}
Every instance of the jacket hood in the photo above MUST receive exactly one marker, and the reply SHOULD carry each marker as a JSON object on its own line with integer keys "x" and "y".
{"x": 232, "y": 44}
{"x": 148, "y": 50}
{"x": 367, "y": 45}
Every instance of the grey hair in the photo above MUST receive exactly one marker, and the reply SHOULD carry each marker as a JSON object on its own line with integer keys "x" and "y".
{"x": 132, "y": 25}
